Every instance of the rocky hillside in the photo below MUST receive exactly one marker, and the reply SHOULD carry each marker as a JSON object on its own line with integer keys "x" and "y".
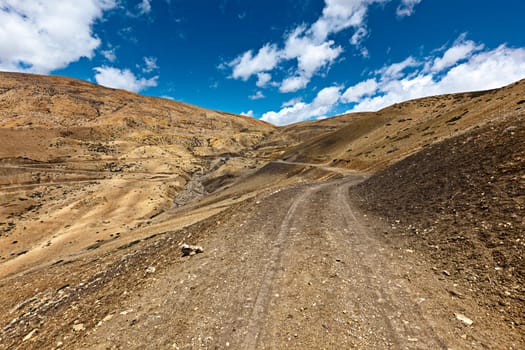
{"x": 77, "y": 111}
{"x": 461, "y": 203}
{"x": 81, "y": 164}
{"x": 371, "y": 141}
{"x": 99, "y": 187}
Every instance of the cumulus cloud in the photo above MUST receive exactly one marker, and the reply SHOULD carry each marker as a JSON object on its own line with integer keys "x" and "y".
{"x": 247, "y": 64}
{"x": 257, "y": 96}
{"x": 297, "y": 110}
{"x": 42, "y": 36}
{"x": 357, "y": 92}
{"x": 406, "y": 8}
{"x": 461, "y": 50}
{"x": 291, "y": 102}
{"x": 263, "y": 79}
{"x": 248, "y": 114}
{"x": 291, "y": 84}
{"x": 308, "y": 47}
{"x": 463, "y": 67}
{"x": 310, "y": 56}
{"x": 339, "y": 15}
{"x": 122, "y": 79}
{"x": 397, "y": 70}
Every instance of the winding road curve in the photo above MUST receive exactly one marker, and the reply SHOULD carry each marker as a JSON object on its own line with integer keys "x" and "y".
{"x": 297, "y": 269}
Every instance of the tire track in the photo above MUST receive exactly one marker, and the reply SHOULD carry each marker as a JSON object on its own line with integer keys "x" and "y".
{"x": 264, "y": 295}
{"x": 394, "y": 302}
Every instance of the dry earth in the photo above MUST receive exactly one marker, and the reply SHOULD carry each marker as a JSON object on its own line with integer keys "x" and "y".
{"x": 461, "y": 203}
{"x": 401, "y": 229}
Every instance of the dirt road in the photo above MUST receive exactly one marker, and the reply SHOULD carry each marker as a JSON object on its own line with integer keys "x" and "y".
{"x": 298, "y": 269}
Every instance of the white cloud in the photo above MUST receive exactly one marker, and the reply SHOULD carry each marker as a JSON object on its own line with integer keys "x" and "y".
{"x": 109, "y": 55}
{"x": 468, "y": 70}
{"x": 144, "y": 7}
{"x": 359, "y": 35}
{"x": 291, "y": 102}
{"x": 293, "y": 84}
{"x": 486, "y": 70}
{"x": 263, "y": 79}
{"x": 257, "y": 96}
{"x": 339, "y": 15}
{"x": 150, "y": 64}
{"x": 406, "y": 8}
{"x": 122, "y": 79}
{"x": 461, "y": 50}
{"x": 323, "y": 103}
{"x": 309, "y": 46}
{"x": 311, "y": 57}
{"x": 41, "y": 36}
{"x": 396, "y": 70}
{"x": 247, "y": 64}
{"x": 248, "y": 114}
{"x": 364, "y": 52}
{"x": 465, "y": 66}
{"x": 327, "y": 97}
{"x": 357, "y": 92}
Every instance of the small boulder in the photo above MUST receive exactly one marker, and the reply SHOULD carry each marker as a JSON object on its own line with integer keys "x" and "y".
{"x": 464, "y": 319}
{"x": 189, "y": 250}
{"x": 30, "y": 334}
{"x": 79, "y": 327}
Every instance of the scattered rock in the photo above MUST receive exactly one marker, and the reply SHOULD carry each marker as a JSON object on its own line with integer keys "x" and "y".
{"x": 114, "y": 167}
{"x": 30, "y": 334}
{"x": 464, "y": 319}
{"x": 79, "y": 327}
{"x": 510, "y": 129}
{"x": 151, "y": 269}
{"x": 105, "y": 319}
{"x": 456, "y": 294}
{"x": 190, "y": 249}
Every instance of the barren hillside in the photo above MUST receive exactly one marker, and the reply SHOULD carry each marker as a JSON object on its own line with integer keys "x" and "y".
{"x": 461, "y": 203}
{"x": 401, "y": 229}
{"x": 375, "y": 140}
{"x": 81, "y": 164}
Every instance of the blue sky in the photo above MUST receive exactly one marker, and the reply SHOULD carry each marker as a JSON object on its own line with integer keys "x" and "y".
{"x": 283, "y": 61}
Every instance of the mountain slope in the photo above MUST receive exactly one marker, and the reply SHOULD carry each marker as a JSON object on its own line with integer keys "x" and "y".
{"x": 375, "y": 140}
{"x": 82, "y": 165}
{"x": 397, "y": 229}
{"x": 461, "y": 203}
